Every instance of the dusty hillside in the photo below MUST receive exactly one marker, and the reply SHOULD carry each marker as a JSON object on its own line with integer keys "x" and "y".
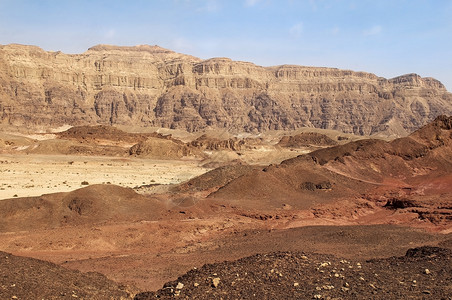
{"x": 152, "y": 86}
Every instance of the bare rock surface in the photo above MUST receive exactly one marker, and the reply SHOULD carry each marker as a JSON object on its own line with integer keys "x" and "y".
{"x": 152, "y": 86}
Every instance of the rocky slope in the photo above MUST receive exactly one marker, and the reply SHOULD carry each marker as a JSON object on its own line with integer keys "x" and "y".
{"x": 28, "y": 278}
{"x": 152, "y": 86}
{"x": 410, "y": 175}
{"x": 423, "y": 273}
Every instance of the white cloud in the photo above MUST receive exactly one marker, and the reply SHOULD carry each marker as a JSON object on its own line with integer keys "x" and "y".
{"x": 374, "y": 30}
{"x": 296, "y": 30}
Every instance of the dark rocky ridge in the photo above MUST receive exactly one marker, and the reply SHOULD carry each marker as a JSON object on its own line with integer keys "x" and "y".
{"x": 423, "y": 273}
{"x": 152, "y": 86}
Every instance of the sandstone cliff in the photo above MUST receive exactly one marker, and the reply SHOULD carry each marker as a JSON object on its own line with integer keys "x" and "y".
{"x": 152, "y": 86}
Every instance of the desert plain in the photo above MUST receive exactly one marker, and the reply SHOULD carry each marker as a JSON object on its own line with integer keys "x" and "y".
{"x": 143, "y": 218}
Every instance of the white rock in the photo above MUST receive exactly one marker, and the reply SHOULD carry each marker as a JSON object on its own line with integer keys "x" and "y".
{"x": 179, "y": 286}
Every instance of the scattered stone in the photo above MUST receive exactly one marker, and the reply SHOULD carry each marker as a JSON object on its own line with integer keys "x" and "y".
{"x": 427, "y": 271}
{"x": 324, "y": 264}
{"x": 318, "y": 296}
{"x": 215, "y": 282}
{"x": 180, "y": 286}
{"x": 195, "y": 284}
{"x": 296, "y": 284}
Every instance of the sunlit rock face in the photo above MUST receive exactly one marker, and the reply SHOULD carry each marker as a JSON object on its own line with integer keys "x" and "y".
{"x": 152, "y": 86}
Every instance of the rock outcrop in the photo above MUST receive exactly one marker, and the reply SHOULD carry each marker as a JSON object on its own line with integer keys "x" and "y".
{"x": 152, "y": 86}
{"x": 306, "y": 139}
{"x": 206, "y": 143}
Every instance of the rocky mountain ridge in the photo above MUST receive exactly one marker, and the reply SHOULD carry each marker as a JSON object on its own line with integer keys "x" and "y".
{"x": 152, "y": 86}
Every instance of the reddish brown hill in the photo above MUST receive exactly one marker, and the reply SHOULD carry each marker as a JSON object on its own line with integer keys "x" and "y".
{"x": 419, "y": 165}
{"x": 214, "y": 179}
{"x": 90, "y": 205}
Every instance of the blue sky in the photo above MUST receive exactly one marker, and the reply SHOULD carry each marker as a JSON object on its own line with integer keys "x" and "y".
{"x": 385, "y": 37}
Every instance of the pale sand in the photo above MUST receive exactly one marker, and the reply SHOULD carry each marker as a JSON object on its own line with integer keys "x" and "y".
{"x": 34, "y": 175}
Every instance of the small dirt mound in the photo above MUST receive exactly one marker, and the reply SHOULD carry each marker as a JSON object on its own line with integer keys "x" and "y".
{"x": 89, "y": 205}
{"x": 103, "y": 132}
{"x": 98, "y": 203}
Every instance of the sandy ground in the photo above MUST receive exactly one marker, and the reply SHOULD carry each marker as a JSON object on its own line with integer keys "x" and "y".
{"x": 34, "y": 175}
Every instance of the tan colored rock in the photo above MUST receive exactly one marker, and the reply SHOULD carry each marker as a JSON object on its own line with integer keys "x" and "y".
{"x": 161, "y": 148}
{"x": 215, "y": 282}
{"x": 152, "y": 86}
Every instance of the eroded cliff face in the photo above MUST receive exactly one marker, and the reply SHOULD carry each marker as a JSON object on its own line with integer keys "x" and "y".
{"x": 152, "y": 86}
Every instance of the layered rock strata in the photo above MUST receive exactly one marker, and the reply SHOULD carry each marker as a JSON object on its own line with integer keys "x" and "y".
{"x": 152, "y": 86}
